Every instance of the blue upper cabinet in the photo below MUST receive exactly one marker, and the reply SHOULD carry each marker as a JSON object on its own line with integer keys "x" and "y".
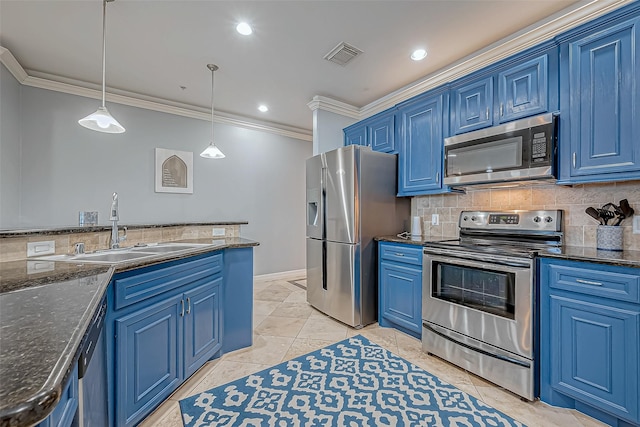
{"x": 421, "y": 135}
{"x": 356, "y": 134}
{"x": 600, "y": 101}
{"x": 522, "y": 90}
{"x": 377, "y": 132}
{"x": 381, "y": 132}
{"x": 520, "y": 86}
{"x": 472, "y": 106}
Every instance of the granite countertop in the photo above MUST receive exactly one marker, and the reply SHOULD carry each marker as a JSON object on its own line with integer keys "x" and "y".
{"x": 43, "y": 318}
{"x": 626, "y": 258}
{"x": 90, "y": 229}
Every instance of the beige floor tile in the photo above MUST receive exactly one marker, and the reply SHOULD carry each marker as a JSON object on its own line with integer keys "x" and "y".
{"x": 226, "y": 371}
{"x": 280, "y": 326}
{"x": 274, "y": 292}
{"x": 269, "y": 350}
{"x": 257, "y": 319}
{"x": 299, "y": 310}
{"x": 264, "y": 308}
{"x": 585, "y": 420}
{"x": 384, "y": 337}
{"x": 302, "y": 346}
{"x": 325, "y": 329}
{"x": 318, "y": 314}
{"x": 167, "y": 415}
{"x": 195, "y": 379}
{"x": 297, "y": 296}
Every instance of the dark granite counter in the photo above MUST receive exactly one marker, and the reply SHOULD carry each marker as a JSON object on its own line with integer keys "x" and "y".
{"x": 590, "y": 254}
{"x": 91, "y": 229}
{"x": 413, "y": 240}
{"x": 44, "y": 314}
{"x": 574, "y": 253}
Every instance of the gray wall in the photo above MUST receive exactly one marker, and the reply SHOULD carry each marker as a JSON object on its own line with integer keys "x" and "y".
{"x": 67, "y": 168}
{"x": 9, "y": 150}
{"x": 327, "y": 130}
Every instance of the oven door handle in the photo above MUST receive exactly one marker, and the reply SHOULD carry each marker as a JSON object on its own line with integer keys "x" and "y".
{"x": 478, "y": 263}
{"x": 476, "y": 349}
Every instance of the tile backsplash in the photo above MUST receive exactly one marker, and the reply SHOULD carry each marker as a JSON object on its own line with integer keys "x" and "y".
{"x": 15, "y": 248}
{"x": 579, "y": 228}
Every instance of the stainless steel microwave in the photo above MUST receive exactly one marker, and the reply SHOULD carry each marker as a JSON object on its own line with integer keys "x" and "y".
{"x": 521, "y": 150}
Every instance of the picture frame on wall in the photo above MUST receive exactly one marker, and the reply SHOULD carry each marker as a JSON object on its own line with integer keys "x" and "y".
{"x": 174, "y": 171}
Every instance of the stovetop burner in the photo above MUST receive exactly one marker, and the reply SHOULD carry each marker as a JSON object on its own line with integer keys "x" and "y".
{"x": 516, "y": 233}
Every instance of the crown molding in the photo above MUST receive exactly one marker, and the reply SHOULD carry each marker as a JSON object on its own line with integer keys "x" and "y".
{"x": 12, "y": 65}
{"x": 531, "y": 36}
{"x": 72, "y": 87}
{"x": 328, "y": 104}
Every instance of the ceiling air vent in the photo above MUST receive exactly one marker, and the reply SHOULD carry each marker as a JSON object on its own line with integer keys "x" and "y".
{"x": 342, "y": 54}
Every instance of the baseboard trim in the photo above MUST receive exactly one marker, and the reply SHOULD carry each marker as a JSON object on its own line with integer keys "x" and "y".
{"x": 282, "y": 275}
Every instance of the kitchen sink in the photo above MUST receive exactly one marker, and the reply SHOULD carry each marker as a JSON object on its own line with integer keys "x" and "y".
{"x": 114, "y": 256}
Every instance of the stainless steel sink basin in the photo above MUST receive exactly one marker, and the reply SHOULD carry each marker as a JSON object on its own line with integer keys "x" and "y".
{"x": 114, "y": 256}
{"x": 168, "y": 247}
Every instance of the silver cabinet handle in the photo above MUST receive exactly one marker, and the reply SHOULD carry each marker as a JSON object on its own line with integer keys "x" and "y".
{"x": 573, "y": 159}
{"x": 588, "y": 282}
{"x": 487, "y": 113}
{"x": 397, "y": 254}
{"x": 501, "y": 109}
{"x": 188, "y": 305}
{"x": 181, "y": 308}
{"x": 438, "y": 177}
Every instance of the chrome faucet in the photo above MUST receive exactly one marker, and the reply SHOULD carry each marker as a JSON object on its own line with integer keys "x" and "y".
{"x": 115, "y": 236}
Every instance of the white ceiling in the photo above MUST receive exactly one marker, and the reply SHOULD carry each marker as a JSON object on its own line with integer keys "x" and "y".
{"x": 155, "y": 47}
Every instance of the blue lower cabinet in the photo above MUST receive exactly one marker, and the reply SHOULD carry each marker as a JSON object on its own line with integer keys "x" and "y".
{"x": 590, "y": 339}
{"x": 149, "y": 357}
{"x": 202, "y": 325}
{"x": 400, "y": 287}
{"x": 65, "y": 411}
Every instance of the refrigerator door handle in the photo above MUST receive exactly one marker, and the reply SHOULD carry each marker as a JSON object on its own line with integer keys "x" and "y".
{"x": 324, "y": 265}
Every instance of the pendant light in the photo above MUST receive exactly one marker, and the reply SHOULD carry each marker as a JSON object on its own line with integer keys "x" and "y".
{"x": 212, "y": 152}
{"x": 101, "y": 120}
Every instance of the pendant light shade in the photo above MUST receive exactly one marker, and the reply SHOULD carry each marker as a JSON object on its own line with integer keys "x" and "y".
{"x": 102, "y": 120}
{"x": 212, "y": 152}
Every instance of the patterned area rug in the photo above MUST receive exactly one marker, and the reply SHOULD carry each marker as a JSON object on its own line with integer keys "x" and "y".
{"x": 351, "y": 383}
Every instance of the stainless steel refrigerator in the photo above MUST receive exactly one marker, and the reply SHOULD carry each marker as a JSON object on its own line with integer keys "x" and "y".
{"x": 351, "y": 198}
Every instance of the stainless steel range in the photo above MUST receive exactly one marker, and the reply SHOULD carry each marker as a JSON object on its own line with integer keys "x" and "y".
{"x": 478, "y": 306}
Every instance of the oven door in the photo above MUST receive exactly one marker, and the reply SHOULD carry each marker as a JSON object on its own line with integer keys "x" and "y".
{"x": 485, "y": 300}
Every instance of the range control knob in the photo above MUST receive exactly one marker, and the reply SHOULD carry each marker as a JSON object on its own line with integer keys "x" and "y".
{"x": 537, "y": 218}
{"x": 548, "y": 219}
{"x": 473, "y": 218}
{"x": 465, "y": 218}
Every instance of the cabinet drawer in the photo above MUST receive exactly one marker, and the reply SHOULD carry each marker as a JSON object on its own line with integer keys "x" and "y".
{"x": 618, "y": 283}
{"x": 398, "y": 252}
{"x": 137, "y": 287}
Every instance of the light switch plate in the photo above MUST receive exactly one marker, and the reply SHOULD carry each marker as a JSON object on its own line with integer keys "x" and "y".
{"x": 636, "y": 224}
{"x": 218, "y": 231}
{"x": 41, "y": 248}
{"x": 435, "y": 219}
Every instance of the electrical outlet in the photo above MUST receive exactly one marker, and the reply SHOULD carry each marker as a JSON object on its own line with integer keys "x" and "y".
{"x": 435, "y": 219}
{"x": 47, "y": 247}
{"x": 636, "y": 224}
{"x": 218, "y": 231}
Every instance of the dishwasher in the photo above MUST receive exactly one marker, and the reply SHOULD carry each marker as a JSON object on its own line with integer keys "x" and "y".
{"x": 92, "y": 374}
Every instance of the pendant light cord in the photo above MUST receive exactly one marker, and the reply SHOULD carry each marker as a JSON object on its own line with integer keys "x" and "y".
{"x": 213, "y": 72}
{"x": 104, "y": 47}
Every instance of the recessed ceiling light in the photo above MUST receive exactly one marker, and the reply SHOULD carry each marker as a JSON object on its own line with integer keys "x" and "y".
{"x": 263, "y": 108}
{"x": 244, "y": 29}
{"x": 419, "y": 54}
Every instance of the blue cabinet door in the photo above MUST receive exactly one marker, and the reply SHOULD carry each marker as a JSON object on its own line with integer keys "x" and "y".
{"x": 522, "y": 90}
{"x": 472, "y": 106}
{"x": 400, "y": 297}
{"x": 381, "y": 133}
{"x": 149, "y": 354}
{"x": 600, "y": 102}
{"x": 421, "y": 146}
{"x": 595, "y": 354}
{"x": 65, "y": 410}
{"x": 202, "y": 325}
{"x": 355, "y": 134}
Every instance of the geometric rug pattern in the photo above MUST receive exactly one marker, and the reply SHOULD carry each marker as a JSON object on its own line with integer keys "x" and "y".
{"x": 351, "y": 383}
